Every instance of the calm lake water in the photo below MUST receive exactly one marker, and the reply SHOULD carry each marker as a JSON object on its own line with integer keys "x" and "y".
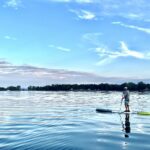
{"x": 68, "y": 121}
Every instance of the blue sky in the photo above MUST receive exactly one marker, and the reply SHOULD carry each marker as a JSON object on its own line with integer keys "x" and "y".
{"x": 74, "y": 41}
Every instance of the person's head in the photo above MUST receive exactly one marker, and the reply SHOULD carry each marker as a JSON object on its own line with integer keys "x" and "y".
{"x": 125, "y": 88}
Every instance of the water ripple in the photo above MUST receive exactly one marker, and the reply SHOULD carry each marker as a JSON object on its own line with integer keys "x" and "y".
{"x": 68, "y": 121}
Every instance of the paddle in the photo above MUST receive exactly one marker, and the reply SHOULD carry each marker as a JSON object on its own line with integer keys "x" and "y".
{"x": 121, "y": 104}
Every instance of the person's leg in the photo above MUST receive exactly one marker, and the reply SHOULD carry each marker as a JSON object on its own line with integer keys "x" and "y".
{"x": 128, "y": 108}
{"x": 127, "y": 105}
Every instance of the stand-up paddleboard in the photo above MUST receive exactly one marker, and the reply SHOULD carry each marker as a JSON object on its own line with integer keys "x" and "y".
{"x": 103, "y": 110}
{"x": 143, "y": 113}
{"x": 124, "y": 112}
{"x": 99, "y": 110}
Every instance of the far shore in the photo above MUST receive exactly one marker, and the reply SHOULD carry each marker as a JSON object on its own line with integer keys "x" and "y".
{"x": 141, "y": 86}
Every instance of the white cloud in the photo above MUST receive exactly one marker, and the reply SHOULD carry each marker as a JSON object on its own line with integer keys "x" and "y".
{"x": 63, "y": 49}
{"x": 10, "y": 38}
{"x": 84, "y": 14}
{"x": 60, "y": 48}
{"x": 130, "y": 9}
{"x": 107, "y": 56}
{"x": 64, "y": 1}
{"x": 132, "y": 53}
{"x": 146, "y": 30}
{"x": 92, "y": 38}
{"x": 84, "y": 1}
{"x": 13, "y": 3}
{"x": 75, "y": 1}
{"x": 134, "y": 16}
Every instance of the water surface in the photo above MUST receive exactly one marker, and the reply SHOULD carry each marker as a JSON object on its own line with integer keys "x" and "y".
{"x": 68, "y": 121}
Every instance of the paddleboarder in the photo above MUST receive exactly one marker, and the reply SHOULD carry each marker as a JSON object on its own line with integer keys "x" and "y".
{"x": 126, "y": 98}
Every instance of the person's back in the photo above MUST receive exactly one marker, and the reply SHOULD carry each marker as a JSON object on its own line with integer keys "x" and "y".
{"x": 126, "y": 94}
{"x": 126, "y": 97}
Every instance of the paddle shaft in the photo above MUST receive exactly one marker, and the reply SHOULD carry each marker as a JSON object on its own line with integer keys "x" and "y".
{"x": 121, "y": 104}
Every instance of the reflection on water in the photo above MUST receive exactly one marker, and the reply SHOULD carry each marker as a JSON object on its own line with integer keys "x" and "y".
{"x": 68, "y": 121}
{"x": 126, "y": 125}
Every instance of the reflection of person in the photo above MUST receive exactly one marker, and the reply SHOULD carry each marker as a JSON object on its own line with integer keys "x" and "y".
{"x": 126, "y": 97}
{"x": 126, "y": 125}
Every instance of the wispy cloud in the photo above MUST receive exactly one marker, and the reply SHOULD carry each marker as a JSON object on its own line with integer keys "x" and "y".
{"x": 84, "y": 14}
{"x": 107, "y": 56}
{"x": 26, "y": 75}
{"x": 126, "y": 52}
{"x": 72, "y": 1}
{"x": 13, "y": 3}
{"x": 32, "y": 74}
{"x": 84, "y": 1}
{"x": 7, "y": 37}
{"x": 146, "y": 30}
{"x": 60, "y": 48}
{"x": 7, "y": 68}
{"x": 130, "y": 9}
{"x": 93, "y": 38}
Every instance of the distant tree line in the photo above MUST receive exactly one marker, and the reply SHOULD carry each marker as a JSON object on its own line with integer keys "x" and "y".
{"x": 11, "y": 88}
{"x": 141, "y": 86}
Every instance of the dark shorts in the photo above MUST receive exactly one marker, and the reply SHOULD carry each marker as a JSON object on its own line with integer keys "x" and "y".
{"x": 126, "y": 102}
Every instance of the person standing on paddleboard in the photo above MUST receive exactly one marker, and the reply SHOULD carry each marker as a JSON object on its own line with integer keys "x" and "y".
{"x": 126, "y": 98}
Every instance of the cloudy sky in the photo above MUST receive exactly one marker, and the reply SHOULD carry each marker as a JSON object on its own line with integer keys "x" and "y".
{"x": 74, "y": 41}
